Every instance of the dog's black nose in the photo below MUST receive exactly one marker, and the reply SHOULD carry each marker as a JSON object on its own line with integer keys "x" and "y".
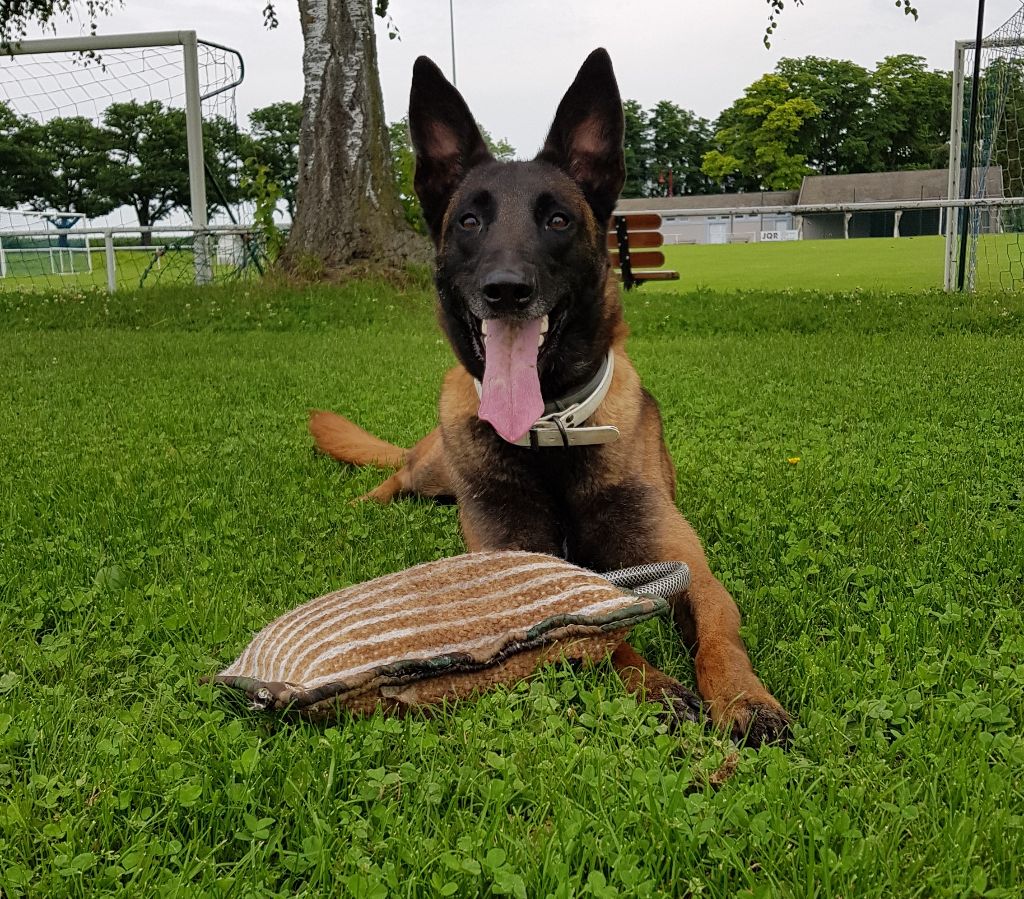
{"x": 507, "y": 289}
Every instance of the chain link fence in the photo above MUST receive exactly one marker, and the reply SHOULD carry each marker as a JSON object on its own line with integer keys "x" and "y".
{"x": 119, "y": 258}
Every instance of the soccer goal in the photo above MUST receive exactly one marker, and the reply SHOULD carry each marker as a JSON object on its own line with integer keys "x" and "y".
{"x": 83, "y": 83}
{"x": 47, "y": 244}
{"x": 985, "y": 239}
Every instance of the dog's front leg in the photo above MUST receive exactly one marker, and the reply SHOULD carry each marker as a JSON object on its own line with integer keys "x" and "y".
{"x": 709, "y": 621}
{"x": 646, "y": 681}
{"x": 623, "y": 527}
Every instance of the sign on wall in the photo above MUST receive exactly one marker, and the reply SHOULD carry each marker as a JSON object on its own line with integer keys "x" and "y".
{"x": 774, "y": 236}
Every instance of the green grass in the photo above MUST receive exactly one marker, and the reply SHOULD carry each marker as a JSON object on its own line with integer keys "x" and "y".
{"x": 909, "y": 264}
{"x": 159, "y": 502}
{"x": 904, "y": 264}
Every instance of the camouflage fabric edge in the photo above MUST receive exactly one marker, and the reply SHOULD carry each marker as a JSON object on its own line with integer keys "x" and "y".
{"x": 285, "y": 696}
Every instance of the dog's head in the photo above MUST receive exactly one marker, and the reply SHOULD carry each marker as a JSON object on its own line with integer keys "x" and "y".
{"x": 522, "y": 263}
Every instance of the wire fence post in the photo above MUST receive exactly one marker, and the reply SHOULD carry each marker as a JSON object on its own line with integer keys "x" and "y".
{"x": 108, "y": 246}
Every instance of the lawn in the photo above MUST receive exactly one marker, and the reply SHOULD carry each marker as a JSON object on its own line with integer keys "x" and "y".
{"x": 854, "y": 463}
{"x": 905, "y": 264}
{"x": 909, "y": 264}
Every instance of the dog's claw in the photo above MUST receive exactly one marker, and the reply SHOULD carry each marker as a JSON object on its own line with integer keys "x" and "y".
{"x": 760, "y": 723}
{"x": 683, "y": 705}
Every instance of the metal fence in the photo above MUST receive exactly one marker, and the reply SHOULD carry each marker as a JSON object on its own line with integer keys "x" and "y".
{"x": 999, "y": 219}
{"x": 129, "y": 257}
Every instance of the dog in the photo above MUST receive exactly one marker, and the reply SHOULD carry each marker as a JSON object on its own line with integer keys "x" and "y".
{"x": 547, "y": 440}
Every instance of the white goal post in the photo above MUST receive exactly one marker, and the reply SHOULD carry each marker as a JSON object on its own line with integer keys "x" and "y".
{"x": 993, "y": 253}
{"x": 193, "y": 97}
{"x": 60, "y": 256}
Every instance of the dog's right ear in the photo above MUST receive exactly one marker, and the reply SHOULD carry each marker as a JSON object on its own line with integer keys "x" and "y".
{"x": 445, "y": 138}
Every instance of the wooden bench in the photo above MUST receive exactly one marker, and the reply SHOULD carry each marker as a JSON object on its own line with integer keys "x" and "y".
{"x": 633, "y": 232}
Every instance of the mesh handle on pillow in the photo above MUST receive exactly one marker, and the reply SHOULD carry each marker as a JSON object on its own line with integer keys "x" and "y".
{"x": 665, "y": 579}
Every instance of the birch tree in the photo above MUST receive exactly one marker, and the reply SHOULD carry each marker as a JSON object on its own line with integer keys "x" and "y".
{"x": 348, "y": 210}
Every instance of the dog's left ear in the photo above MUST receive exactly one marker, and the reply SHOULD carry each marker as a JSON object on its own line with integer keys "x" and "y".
{"x": 586, "y": 137}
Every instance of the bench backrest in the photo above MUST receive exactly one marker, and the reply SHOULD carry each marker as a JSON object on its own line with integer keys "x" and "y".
{"x": 632, "y": 239}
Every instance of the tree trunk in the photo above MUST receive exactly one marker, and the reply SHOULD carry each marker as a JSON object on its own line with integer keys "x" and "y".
{"x": 142, "y": 211}
{"x": 347, "y": 207}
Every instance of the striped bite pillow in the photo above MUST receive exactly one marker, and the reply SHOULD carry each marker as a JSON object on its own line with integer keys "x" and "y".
{"x": 444, "y": 629}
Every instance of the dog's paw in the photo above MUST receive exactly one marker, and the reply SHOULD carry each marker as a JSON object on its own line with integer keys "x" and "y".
{"x": 682, "y": 705}
{"x": 758, "y": 723}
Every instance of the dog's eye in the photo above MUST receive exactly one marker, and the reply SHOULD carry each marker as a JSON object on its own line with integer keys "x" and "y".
{"x": 469, "y": 222}
{"x": 558, "y": 222}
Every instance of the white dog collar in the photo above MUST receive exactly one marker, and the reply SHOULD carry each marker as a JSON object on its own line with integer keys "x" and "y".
{"x": 563, "y": 425}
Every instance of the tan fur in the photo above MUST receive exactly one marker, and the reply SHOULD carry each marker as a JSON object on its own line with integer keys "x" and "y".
{"x": 347, "y": 442}
{"x": 707, "y": 617}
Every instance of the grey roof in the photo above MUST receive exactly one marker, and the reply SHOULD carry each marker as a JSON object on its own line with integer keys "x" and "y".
{"x": 878, "y": 187}
{"x": 710, "y": 201}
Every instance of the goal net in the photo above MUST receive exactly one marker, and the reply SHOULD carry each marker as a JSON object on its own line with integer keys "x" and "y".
{"x": 46, "y": 245}
{"x": 126, "y": 130}
{"x": 993, "y": 254}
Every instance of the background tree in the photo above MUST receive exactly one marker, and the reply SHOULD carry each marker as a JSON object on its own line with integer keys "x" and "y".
{"x": 638, "y": 150}
{"x": 775, "y": 8}
{"x": 910, "y": 115}
{"x": 679, "y": 140}
{"x": 70, "y": 167}
{"x": 20, "y": 158}
{"x": 836, "y": 141}
{"x": 757, "y": 139}
{"x": 150, "y": 159}
{"x": 403, "y": 167}
{"x": 16, "y": 16}
{"x": 225, "y": 149}
{"x": 275, "y": 144}
{"x": 500, "y": 148}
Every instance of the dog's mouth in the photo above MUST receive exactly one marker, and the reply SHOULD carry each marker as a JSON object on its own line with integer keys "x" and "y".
{"x": 510, "y": 396}
{"x": 478, "y": 330}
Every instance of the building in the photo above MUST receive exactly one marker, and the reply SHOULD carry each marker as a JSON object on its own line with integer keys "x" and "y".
{"x": 702, "y": 225}
{"x": 695, "y": 219}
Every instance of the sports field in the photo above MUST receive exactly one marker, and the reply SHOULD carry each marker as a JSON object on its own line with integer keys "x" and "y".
{"x": 909, "y": 264}
{"x": 906, "y": 264}
{"x": 854, "y": 463}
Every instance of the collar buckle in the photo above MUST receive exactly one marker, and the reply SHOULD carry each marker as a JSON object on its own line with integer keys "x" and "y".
{"x": 563, "y": 426}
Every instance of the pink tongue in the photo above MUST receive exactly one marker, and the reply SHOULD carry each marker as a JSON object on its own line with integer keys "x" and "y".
{"x": 510, "y": 398}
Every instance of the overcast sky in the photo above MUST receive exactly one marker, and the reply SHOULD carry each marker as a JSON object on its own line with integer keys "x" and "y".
{"x": 516, "y": 57}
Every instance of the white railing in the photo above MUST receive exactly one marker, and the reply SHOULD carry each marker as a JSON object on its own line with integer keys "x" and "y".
{"x": 848, "y": 210}
{"x": 819, "y": 208}
{"x": 200, "y": 237}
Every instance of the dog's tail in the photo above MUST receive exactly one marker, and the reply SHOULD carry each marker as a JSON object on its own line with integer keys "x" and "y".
{"x": 347, "y": 442}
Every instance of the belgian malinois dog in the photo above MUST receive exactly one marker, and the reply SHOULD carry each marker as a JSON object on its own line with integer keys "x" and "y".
{"x": 548, "y": 442}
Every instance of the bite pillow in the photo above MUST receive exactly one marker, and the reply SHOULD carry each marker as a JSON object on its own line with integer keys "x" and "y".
{"x": 444, "y": 630}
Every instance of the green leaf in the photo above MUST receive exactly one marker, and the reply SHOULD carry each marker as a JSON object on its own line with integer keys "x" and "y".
{"x": 111, "y": 578}
{"x": 187, "y": 794}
